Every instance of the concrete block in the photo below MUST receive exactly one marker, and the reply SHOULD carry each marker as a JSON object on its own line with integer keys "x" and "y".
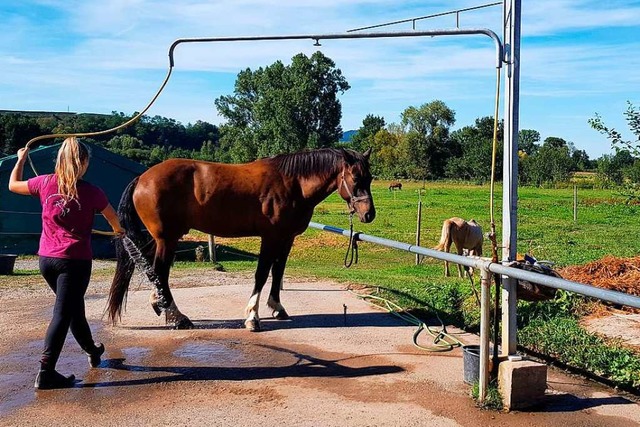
{"x": 522, "y": 383}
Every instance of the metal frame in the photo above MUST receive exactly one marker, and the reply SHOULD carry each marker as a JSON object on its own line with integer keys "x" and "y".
{"x": 341, "y": 36}
{"x": 509, "y": 56}
{"x": 486, "y": 266}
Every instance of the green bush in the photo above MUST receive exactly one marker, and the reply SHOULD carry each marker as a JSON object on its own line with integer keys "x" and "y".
{"x": 563, "y": 339}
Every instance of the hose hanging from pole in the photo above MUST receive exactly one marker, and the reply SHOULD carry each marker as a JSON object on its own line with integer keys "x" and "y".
{"x": 492, "y": 234}
{"x": 102, "y": 132}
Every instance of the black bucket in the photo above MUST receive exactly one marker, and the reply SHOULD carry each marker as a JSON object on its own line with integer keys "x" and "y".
{"x": 7, "y": 262}
{"x": 471, "y": 360}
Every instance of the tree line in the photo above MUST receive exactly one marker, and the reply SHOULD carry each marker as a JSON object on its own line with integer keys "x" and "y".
{"x": 284, "y": 108}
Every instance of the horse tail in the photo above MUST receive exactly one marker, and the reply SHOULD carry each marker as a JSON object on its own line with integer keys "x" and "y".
{"x": 445, "y": 236}
{"x": 125, "y": 266}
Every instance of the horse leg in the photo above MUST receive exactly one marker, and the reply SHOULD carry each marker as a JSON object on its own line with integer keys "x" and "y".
{"x": 447, "y": 247}
{"x": 265, "y": 261}
{"x": 277, "y": 274}
{"x": 460, "y": 251}
{"x": 163, "y": 300}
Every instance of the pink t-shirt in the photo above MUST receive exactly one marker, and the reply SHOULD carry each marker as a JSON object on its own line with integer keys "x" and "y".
{"x": 66, "y": 227}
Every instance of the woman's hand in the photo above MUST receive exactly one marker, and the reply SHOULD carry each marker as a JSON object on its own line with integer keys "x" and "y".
{"x": 16, "y": 184}
{"x": 22, "y": 153}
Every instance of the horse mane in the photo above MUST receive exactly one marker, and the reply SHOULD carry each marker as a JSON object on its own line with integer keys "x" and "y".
{"x": 305, "y": 164}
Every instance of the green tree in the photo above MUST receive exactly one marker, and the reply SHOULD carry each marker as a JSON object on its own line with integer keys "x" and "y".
{"x": 581, "y": 160}
{"x": 279, "y": 109}
{"x": 627, "y": 153}
{"x": 363, "y": 139}
{"x": 528, "y": 140}
{"x": 555, "y": 142}
{"x": 618, "y": 142}
{"x": 427, "y": 132}
{"x": 551, "y": 164}
{"x": 475, "y": 146}
{"x": 16, "y": 130}
{"x": 390, "y": 153}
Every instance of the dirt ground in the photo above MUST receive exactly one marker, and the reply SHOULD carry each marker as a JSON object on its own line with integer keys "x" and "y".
{"x": 322, "y": 368}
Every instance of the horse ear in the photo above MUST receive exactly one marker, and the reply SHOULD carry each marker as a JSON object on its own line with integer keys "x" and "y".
{"x": 367, "y": 153}
{"x": 348, "y": 157}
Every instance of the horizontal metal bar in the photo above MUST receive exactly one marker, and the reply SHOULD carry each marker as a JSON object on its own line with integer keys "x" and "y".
{"x": 317, "y": 37}
{"x": 435, "y": 15}
{"x": 480, "y": 263}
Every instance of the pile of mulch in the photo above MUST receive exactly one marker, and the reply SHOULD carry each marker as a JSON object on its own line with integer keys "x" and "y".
{"x": 618, "y": 274}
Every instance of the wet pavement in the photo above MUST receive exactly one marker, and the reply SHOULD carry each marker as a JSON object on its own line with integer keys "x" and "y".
{"x": 320, "y": 368}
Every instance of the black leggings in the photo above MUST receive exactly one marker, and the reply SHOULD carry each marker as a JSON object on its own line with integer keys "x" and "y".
{"x": 69, "y": 279}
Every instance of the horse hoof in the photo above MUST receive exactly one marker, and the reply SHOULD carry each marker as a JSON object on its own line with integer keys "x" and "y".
{"x": 156, "y": 308}
{"x": 253, "y": 325}
{"x": 280, "y": 315}
{"x": 183, "y": 323}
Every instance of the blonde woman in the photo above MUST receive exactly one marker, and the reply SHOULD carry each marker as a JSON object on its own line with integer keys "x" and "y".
{"x": 68, "y": 208}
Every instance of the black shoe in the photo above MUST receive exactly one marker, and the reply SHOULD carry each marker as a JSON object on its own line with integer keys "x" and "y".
{"x": 49, "y": 379}
{"x": 94, "y": 356}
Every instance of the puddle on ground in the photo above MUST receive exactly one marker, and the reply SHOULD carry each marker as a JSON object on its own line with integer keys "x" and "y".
{"x": 210, "y": 353}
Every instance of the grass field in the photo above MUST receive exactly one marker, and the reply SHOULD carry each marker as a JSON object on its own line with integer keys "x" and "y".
{"x": 546, "y": 229}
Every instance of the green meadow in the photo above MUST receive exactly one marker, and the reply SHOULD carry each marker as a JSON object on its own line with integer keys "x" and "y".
{"x": 546, "y": 229}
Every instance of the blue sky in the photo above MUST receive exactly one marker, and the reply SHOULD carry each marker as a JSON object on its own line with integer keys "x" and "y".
{"x": 579, "y": 57}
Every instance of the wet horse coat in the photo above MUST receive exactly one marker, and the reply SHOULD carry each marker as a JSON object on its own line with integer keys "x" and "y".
{"x": 272, "y": 198}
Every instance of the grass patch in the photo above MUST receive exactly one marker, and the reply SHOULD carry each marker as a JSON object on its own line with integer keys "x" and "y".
{"x": 493, "y": 400}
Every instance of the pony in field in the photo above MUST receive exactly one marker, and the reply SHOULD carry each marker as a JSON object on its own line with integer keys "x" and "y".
{"x": 272, "y": 198}
{"x": 464, "y": 234}
{"x": 395, "y": 184}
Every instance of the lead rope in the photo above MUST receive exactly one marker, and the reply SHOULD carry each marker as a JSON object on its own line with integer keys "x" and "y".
{"x": 352, "y": 246}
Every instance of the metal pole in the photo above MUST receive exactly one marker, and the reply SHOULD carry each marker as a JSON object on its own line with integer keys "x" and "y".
{"x": 480, "y": 263}
{"x": 419, "y": 222}
{"x": 485, "y": 307}
{"x": 212, "y": 248}
{"x": 318, "y": 37}
{"x": 575, "y": 203}
{"x": 510, "y": 169}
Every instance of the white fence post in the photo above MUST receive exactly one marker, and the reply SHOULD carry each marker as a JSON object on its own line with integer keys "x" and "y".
{"x": 485, "y": 307}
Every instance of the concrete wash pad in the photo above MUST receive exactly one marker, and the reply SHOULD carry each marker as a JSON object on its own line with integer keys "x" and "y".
{"x": 321, "y": 368}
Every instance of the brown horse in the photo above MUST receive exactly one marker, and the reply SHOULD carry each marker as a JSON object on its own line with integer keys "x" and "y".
{"x": 273, "y": 198}
{"x": 465, "y": 235}
{"x": 395, "y": 184}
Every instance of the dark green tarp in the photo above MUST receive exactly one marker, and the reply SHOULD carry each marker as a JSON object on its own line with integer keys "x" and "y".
{"x": 20, "y": 224}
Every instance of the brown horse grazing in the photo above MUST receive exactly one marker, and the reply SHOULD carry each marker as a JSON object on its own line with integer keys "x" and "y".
{"x": 465, "y": 235}
{"x": 272, "y": 198}
{"x": 395, "y": 184}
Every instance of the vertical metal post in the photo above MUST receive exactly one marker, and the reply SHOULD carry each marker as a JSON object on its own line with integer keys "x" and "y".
{"x": 212, "y": 248}
{"x": 418, "y": 227}
{"x": 485, "y": 307}
{"x": 510, "y": 169}
{"x": 575, "y": 203}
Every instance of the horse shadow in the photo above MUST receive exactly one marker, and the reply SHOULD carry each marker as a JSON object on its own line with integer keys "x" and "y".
{"x": 305, "y": 366}
{"x": 303, "y": 321}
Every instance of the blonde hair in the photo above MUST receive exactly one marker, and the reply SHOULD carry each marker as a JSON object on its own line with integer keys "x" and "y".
{"x": 72, "y": 162}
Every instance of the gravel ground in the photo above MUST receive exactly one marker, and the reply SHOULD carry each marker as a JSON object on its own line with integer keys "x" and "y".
{"x": 320, "y": 368}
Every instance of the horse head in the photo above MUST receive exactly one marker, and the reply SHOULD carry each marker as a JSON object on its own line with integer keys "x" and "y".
{"x": 354, "y": 184}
